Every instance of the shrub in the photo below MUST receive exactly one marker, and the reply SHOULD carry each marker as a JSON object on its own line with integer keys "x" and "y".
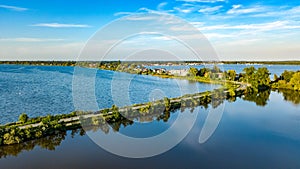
{"x": 23, "y": 118}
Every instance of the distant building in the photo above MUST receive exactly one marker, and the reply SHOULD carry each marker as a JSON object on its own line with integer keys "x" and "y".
{"x": 92, "y": 65}
{"x": 181, "y": 72}
{"x": 159, "y": 71}
{"x": 219, "y": 75}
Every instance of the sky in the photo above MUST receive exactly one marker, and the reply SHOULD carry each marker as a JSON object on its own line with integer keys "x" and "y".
{"x": 236, "y": 29}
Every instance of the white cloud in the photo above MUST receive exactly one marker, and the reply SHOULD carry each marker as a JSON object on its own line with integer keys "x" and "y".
{"x": 188, "y": 10}
{"x": 161, "y": 5}
{"x": 281, "y": 12}
{"x": 144, "y": 9}
{"x": 210, "y": 9}
{"x": 139, "y": 18}
{"x": 14, "y": 8}
{"x": 262, "y": 26}
{"x": 240, "y": 42}
{"x": 60, "y": 25}
{"x": 22, "y": 39}
{"x": 294, "y": 11}
{"x": 238, "y": 9}
{"x": 123, "y": 13}
{"x": 192, "y": 7}
{"x": 218, "y": 35}
{"x": 204, "y": 1}
{"x": 159, "y": 10}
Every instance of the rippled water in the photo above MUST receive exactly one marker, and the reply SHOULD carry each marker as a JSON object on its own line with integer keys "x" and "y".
{"x": 42, "y": 90}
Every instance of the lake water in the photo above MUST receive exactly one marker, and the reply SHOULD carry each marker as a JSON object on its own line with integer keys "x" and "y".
{"x": 263, "y": 132}
{"x": 248, "y": 136}
{"x": 43, "y": 90}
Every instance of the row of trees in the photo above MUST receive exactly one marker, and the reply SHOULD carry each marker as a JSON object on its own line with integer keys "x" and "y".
{"x": 205, "y": 72}
{"x": 50, "y": 63}
{"x": 287, "y": 80}
{"x": 259, "y": 79}
{"x": 13, "y": 134}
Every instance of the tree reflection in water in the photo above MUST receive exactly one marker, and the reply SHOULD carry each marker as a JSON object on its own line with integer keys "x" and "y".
{"x": 51, "y": 142}
{"x": 259, "y": 98}
{"x": 290, "y": 95}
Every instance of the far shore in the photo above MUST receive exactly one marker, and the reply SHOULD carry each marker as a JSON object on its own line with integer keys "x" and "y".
{"x": 149, "y": 63}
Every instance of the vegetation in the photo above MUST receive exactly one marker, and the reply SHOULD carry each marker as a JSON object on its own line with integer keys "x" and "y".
{"x": 48, "y": 142}
{"x": 73, "y": 63}
{"x": 230, "y": 75}
{"x": 42, "y": 63}
{"x": 193, "y": 72}
{"x": 258, "y": 79}
{"x": 23, "y": 118}
{"x": 290, "y": 95}
{"x": 287, "y": 80}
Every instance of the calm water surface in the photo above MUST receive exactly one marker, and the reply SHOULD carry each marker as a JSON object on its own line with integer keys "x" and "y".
{"x": 248, "y": 136}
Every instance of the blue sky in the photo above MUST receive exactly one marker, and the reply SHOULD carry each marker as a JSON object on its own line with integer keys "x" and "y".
{"x": 238, "y": 30}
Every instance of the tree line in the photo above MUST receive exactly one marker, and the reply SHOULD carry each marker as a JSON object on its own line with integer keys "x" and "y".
{"x": 258, "y": 79}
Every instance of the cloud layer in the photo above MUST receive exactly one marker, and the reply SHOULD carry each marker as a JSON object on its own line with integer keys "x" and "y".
{"x": 61, "y": 25}
{"x": 13, "y": 8}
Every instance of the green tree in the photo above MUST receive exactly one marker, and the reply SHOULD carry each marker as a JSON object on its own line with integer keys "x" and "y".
{"x": 248, "y": 74}
{"x": 202, "y": 71}
{"x": 167, "y": 103}
{"x": 259, "y": 79}
{"x": 23, "y": 118}
{"x": 275, "y": 77}
{"x": 230, "y": 74}
{"x": 263, "y": 77}
{"x": 114, "y": 109}
{"x": 115, "y": 112}
{"x": 193, "y": 72}
{"x": 295, "y": 81}
{"x": 287, "y": 75}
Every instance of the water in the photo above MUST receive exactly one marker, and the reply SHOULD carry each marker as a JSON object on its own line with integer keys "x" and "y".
{"x": 248, "y": 136}
{"x": 263, "y": 132}
{"x": 43, "y": 90}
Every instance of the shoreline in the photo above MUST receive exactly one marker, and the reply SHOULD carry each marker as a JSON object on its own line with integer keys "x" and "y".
{"x": 149, "y": 63}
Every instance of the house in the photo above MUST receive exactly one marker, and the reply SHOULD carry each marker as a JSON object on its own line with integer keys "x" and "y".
{"x": 159, "y": 71}
{"x": 181, "y": 72}
{"x": 219, "y": 75}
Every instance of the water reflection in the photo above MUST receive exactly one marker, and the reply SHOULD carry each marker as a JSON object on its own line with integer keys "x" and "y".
{"x": 259, "y": 98}
{"x": 290, "y": 95}
{"x": 51, "y": 142}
